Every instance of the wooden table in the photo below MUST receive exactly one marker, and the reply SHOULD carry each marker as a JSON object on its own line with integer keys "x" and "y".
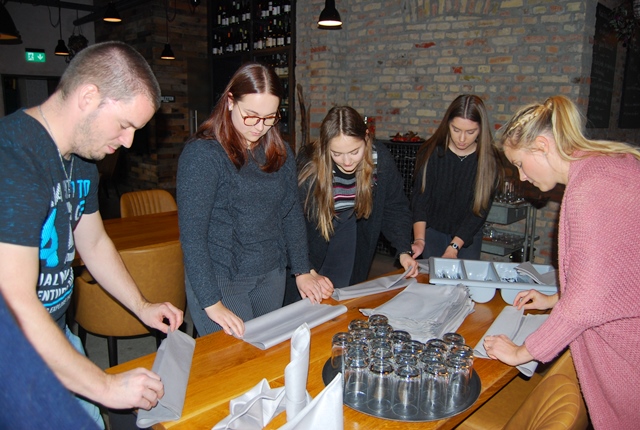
{"x": 224, "y": 368}
{"x": 136, "y": 231}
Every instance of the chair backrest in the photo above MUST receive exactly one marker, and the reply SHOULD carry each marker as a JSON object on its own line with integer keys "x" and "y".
{"x": 555, "y": 403}
{"x": 146, "y": 202}
{"x": 158, "y": 271}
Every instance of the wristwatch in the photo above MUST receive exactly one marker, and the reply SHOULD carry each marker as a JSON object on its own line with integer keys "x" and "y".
{"x": 454, "y": 246}
{"x": 406, "y": 252}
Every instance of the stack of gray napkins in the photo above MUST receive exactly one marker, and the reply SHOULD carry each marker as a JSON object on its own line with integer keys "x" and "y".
{"x": 427, "y": 311}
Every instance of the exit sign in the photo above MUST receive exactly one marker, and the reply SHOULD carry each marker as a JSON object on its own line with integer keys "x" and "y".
{"x": 35, "y": 55}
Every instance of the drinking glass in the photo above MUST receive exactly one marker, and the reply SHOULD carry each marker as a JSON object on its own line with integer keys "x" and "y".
{"x": 380, "y": 385}
{"x": 381, "y": 331}
{"x": 355, "y": 390}
{"x": 377, "y": 319}
{"x": 452, "y": 339}
{"x": 398, "y": 338}
{"x": 414, "y": 346}
{"x": 380, "y": 349}
{"x": 339, "y": 344}
{"x": 406, "y": 399}
{"x": 357, "y": 324}
{"x": 405, "y": 357}
{"x": 435, "y": 381}
{"x": 459, "y": 370}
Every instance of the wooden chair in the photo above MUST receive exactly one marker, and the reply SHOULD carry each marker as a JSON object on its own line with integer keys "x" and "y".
{"x": 146, "y": 202}
{"x": 549, "y": 402}
{"x": 158, "y": 271}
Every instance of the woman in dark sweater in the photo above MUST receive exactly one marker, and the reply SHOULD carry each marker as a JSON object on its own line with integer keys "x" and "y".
{"x": 239, "y": 213}
{"x": 351, "y": 191}
{"x": 455, "y": 178}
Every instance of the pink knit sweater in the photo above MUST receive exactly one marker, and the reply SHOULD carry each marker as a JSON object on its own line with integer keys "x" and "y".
{"x": 598, "y": 314}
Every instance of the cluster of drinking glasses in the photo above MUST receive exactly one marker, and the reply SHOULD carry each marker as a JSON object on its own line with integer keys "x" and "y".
{"x": 389, "y": 374}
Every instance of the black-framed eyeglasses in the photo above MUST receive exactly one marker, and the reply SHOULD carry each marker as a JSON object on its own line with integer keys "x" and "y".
{"x": 250, "y": 120}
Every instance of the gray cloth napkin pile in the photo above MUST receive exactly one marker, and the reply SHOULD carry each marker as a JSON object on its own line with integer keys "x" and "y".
{"x": 528, "y": 269}
{"x": 173, "y": 365}
{"x": 277, "y": 326}
{"x": 256, "y": 408}
{"x": 517, "y": 326}
{"x": 427, "y": 311}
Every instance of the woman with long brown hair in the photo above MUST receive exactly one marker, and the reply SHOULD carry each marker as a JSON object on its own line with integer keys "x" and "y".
{"x": 240, "y": 218}
{"x": 455, "y": 177}
{"x": 351, "y": 191}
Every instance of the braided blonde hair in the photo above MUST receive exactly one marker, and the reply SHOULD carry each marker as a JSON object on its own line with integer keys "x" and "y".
{"x": 557, "y": 116}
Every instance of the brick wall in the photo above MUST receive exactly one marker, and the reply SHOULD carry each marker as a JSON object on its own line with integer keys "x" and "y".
{"x": 404, "y": 61}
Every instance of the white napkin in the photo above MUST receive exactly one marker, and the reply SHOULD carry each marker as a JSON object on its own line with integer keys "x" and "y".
{"x": 277, "y": 326}
{"x": 296, "y": 372}
{"x": 254, "y": 409}
{"x": 325, "y": 412}
{"x": 528, "y": 269}
{"x": 173, "y": 365}
{"x": 427, "y": 311}
{"x": 517, "y": 326}
{"x": 374, "y": 286}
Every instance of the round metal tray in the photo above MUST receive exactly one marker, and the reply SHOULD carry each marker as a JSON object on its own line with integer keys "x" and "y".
{"x": 329, "y": 372}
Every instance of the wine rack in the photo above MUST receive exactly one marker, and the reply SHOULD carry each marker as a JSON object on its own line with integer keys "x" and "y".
{"x": 255, "y": 30}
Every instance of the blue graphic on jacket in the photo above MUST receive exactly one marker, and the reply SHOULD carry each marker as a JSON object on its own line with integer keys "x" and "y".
{"x": 49, "y": 241}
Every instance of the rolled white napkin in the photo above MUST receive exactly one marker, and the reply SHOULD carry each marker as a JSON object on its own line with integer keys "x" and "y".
{"x": 427, "y": 311}
{"x": 516, "y": 326}
{"x": 254, "y": 409}
{"x": 173, "y": 365}
{"x": 374, "y": 286}
{"x": 297, "y": 371}
{"x": 325, "y": 412}
{"x": 277, "y": 326}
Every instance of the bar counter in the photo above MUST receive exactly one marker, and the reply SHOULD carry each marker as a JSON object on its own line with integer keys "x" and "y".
{"x": 224, "y": 367}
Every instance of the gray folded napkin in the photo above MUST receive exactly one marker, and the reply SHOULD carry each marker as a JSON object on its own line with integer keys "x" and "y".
{"x": 254, "y": 409}
{"x": 516, "y": 326}
{"x": 173, "y": 365}
{"x": 427, "y": 311}
{"x": 374, "y": 286}
{"x": 277, "y": 326}
{"x": 325, "y": 412}
{"x": 296, "y": 372}
{"x": 526, "y": 268}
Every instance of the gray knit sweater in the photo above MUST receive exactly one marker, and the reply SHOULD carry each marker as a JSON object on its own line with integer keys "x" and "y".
{"x": 236, "y": 222}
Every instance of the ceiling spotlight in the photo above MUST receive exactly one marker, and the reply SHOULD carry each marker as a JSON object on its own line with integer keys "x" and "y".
{"x": 167, "y": 52}
{"x": 61, "y": 48}
{"x": 111, "y": 14}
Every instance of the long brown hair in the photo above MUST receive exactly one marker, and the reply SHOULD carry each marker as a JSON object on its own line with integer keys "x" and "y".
{"x": 319, "y": 203}
{"x": 471, "y": 107}
{"x": 558, "y": 116}
{"x": 250, "y": 78}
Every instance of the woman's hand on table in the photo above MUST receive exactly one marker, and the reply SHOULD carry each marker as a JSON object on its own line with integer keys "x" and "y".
{"x": 154, "y": 314}
{"x": 500, "y": 347}
{"x": 314, "y": 286}
{"x": 137, "y": 388}
{"x": 534, "y": 299}
{"x": 230, "y": 322}
{"x": 408, "y": 263}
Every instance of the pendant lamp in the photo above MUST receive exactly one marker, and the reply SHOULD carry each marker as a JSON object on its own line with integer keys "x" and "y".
{"x": 167, "y": 52}
{"x": 329, "y": 17}
{"x": 61, "y": 48}
{"x": 8, "y": 32}
{"x": 111, "y": 14}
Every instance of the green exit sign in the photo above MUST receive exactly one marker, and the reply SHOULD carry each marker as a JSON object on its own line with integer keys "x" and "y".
{"x": 35, "y": 55}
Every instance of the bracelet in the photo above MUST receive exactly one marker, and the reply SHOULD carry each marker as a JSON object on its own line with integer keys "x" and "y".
{"x": 415, "y": 240}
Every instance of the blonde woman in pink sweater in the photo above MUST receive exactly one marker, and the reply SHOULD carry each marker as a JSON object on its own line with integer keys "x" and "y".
{"x": 597, "y": 311}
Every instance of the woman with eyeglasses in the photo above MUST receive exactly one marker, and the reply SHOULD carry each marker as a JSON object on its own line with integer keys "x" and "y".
{"x": 351, "y": 191}
{"x": 240, "y": 219}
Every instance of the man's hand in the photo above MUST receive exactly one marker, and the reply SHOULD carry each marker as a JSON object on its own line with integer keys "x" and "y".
{"x": 137, "y": 388}
{"x": 153, "y": 315}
